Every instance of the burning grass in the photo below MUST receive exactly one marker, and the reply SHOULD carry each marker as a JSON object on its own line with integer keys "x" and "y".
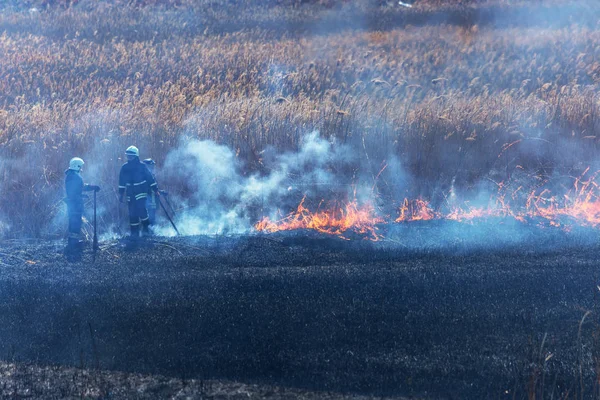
{"x": 577, "y": 206}
{"x": 446, "y": 99}
{"x": 580, "y": 204}
{"x": 336, "y": 221}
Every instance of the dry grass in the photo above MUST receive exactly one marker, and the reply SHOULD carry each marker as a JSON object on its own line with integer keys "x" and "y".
{"x": 445, "y": 98}
{"x": 21, "y": 380}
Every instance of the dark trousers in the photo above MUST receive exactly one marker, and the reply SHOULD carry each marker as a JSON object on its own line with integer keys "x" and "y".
{"x": 138, "y": 216}
{"x": 74, "y": 214}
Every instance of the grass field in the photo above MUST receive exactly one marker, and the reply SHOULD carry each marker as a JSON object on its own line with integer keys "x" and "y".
{"x": 442, "y": 86}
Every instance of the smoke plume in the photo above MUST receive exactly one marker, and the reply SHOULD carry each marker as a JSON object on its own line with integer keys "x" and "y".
{"x": 220, "y": 196}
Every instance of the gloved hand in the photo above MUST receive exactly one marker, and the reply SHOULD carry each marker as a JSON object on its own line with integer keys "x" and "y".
{"x": 95, "y": 188}
{"x": 163, "y": 192}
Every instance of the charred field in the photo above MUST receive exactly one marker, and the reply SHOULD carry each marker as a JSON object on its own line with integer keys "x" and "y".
{"x": 459, "y": 136}
{"x": 301, "y": 310}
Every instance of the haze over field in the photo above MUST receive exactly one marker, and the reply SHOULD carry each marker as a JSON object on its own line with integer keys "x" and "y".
{"x": 443, "y": 103}
{"x": 375, "y": 198}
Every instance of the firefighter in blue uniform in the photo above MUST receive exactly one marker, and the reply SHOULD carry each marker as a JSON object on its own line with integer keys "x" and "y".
{"x": 135, "y": 182}
{"x": 75, "y": 187}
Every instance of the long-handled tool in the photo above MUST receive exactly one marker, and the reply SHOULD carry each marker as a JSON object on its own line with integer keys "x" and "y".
{"x": 167, "y": 214}
{"x": 95, "y": 245}
{"x": 166, "y": 196}
{"x": 119, "y": 217}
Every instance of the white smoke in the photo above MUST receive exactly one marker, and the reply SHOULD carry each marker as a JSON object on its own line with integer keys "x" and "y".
{"x": 221, "y": 198}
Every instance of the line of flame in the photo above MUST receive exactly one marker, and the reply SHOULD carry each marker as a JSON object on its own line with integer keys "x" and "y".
{"x": 580, "y": 205}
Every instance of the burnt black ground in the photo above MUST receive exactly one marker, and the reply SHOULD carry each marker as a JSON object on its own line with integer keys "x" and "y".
{"x": 390, "y": 318}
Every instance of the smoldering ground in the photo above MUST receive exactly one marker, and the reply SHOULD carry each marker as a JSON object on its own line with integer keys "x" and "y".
{"x": 312, "y": 312}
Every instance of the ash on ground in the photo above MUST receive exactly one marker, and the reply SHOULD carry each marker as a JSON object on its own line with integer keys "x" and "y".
{"x": 319, "y": 314}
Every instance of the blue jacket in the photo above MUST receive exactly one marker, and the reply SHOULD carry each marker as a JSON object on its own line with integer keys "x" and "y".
{"x": 136, "y": 180}
{"x": 75, "y": 187}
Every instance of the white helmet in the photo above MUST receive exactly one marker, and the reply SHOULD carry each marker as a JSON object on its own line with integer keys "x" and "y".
{"x": 132, "y": 151}
{"x": 76, "y": 164}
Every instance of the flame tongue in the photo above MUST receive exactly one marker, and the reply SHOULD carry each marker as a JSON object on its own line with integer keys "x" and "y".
{"x": 416, "y": 210}
{"x": 578, "y": 206}
{"x": 335, "y": 221}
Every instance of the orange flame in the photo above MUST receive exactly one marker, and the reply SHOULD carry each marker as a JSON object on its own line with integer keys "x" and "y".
{"x": 578, "y": 206}
{"x": 415, "y": 210}
{"x": 351, "y": 217}
{"x": 581, "y": 204}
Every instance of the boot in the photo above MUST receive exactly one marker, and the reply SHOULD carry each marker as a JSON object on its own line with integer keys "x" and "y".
{"x": 135, "y": 232}
{"x": 74, "y": 245}
{"x": 146, "y": 228}
{"x": 71, "y": 243}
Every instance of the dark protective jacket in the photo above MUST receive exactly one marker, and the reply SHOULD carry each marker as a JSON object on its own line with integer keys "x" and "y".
{"x": 136, "y": 180}
{"x": 75, "y": 187}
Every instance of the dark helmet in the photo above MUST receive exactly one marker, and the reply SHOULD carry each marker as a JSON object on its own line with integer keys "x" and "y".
{"x": 149, "y": 161}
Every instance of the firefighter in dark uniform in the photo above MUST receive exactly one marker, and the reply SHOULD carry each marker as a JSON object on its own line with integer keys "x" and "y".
{"x": 151, "y": 201}
{"x": 135, "y": 182}
{"x": 75, "y": 187}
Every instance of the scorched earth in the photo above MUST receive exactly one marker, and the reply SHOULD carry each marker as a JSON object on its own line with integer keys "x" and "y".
{"x": 444, "y": 310}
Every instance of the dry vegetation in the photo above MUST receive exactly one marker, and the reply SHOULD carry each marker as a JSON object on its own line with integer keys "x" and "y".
{"x": 445, "y": 95}
{"x": 21, "y": 380}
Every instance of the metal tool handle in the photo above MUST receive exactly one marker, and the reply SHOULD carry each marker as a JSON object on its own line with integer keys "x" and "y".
{"x": 167, "y": 214}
